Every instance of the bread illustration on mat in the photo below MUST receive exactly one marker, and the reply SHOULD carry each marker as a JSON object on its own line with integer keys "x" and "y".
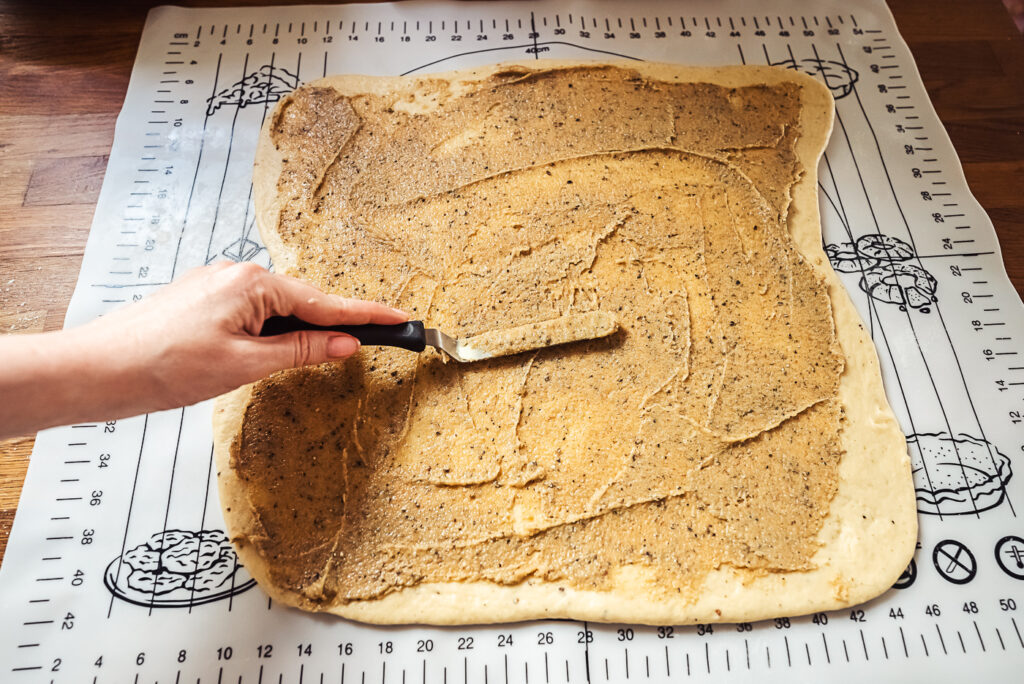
{"x": 178, "y": 568}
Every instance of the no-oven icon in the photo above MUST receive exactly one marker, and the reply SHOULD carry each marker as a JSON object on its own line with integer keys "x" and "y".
{"x": 1010, "y": 556}
{"x": 954, "y": 561}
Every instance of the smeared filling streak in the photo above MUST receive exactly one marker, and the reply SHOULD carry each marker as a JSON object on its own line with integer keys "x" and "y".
{"x": 703, "y": 434}
{"x": 562, "y": 330}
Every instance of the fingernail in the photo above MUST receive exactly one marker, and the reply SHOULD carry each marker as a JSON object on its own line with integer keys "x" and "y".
{"x": 341, "y": 346}
{"x": 400, "y": 312}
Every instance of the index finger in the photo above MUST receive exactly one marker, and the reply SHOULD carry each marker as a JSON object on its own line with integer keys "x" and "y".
{"x": 292, "y": 297}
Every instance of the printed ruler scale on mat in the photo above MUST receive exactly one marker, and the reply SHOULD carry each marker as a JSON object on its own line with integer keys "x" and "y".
{"x": 916, "y": 252}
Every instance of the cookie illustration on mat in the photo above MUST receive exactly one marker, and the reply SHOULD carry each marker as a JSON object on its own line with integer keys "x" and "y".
{"x": 957, "y": 475}
{"x": 886, "y": 274}
{"x": 178, "y": 568}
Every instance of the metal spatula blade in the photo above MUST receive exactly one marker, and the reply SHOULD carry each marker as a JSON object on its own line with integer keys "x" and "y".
{"x": 412, "y": 335}
{"x": 450, "y": 346}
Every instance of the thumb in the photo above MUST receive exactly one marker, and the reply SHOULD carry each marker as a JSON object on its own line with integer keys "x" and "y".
{"x": 302, "y": 348}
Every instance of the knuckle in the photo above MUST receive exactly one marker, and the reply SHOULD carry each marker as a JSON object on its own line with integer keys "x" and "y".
{"x": 351, "y": 312}
{"x": 258, "y": 291}
{"x": 344, "y": 306}
{"x": 242, "y": 278}
{"x": 248, "y": 272}
{"x": 304, "y": 349}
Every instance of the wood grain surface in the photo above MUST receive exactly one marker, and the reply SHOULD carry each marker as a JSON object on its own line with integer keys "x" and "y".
{"x": 64, "y": 69}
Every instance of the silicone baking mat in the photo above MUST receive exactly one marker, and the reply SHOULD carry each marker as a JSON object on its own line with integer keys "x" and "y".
{"x": 917, "y": 253}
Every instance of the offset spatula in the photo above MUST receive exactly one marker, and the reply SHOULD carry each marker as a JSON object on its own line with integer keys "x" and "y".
{"x": 413, "y": 336}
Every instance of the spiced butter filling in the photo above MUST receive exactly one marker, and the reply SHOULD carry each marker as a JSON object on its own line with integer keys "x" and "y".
{"x": 704, "y": 433}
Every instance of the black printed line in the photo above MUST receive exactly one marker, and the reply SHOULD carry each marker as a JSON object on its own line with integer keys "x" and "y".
{"x": 266, "y": 106}
{"x": 202, "y": 524}
{"x": 521, "y": 47}
{"x": 128, "y": 518}
{"x": 533, "y": 33}
{"x": 227, "y": 164}
{"x": 942, "y": 642}
{"x": 586, "y": 653}
{"x": 167, "y": 508}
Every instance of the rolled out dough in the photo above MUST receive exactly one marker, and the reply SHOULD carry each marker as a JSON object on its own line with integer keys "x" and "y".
{"x": 471, "y": 465}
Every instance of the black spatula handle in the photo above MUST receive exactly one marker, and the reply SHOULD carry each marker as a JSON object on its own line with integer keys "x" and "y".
{"x": 408, "y": 335}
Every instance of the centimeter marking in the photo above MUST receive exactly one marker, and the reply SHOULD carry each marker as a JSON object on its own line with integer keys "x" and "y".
{"x": 59, "y": 543}
{"x": 560, "y": 23}
{"x": 610, "y": 653}
{"x": 136, "y": 254}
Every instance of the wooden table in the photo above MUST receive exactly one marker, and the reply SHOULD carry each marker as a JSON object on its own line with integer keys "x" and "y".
{"x": 64, "y": 69}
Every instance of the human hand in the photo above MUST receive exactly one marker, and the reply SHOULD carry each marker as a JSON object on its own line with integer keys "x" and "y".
{"x": 199, "y": 336}
{"x": 191, "y": 340}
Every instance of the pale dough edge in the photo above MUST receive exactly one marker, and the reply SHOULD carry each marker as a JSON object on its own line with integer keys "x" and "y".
{"x": 868, "y": 537}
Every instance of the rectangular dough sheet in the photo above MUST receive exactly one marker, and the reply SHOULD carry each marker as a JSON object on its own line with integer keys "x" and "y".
{"x": 464, "y": 167}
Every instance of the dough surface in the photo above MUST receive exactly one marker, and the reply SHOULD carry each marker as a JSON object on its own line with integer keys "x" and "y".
{"x": 727, "y": 454}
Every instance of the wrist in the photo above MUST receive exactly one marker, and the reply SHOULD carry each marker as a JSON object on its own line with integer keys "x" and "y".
{"x": 68, "y": 376}
{"x": 36, "y": 382}
{"x": 114, "y": 370}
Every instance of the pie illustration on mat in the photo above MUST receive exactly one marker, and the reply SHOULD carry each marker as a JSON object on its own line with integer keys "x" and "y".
{"x": 178, "y": 568}
{"x": 727, "y": 455}
{"x": 957, "y": 475}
